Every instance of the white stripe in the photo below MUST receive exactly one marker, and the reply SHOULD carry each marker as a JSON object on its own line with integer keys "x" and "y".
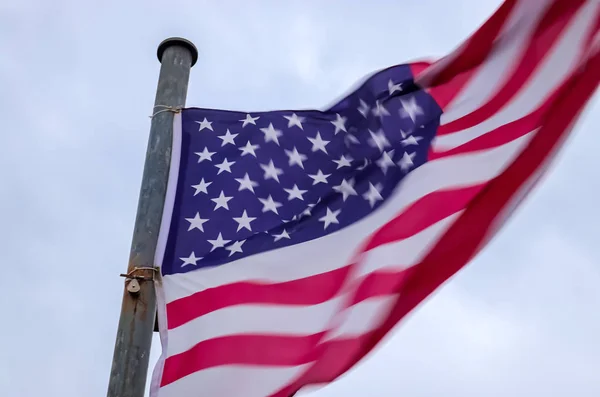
{"x": 425, "y": 78}
{"x": 403, "y": 254}
{"x": 267, "y": 319}
{"x": 492, "y": 74}
{"x": 165, "y": 223}
{"x": 317, "y": 256}
{"x": 233, "y": 380}
{"x": 363, "y": 317}
{"x": 564, "y": 57}
{"x": 367, "y": 315}
{"x": 160, "y": 249}
{"x": 526, "y": 187}
{"x": 595, "y": 45}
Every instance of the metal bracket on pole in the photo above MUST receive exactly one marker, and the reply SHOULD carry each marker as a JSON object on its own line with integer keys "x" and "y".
{"x": 138, "y": 310}
{"x": 132, "y": 279}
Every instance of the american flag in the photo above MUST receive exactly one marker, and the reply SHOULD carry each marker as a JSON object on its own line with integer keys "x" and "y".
{"x": 293, "y": 241}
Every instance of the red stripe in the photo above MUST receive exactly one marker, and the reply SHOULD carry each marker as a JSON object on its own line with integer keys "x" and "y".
{"x": 255, "y": 350}
{"x": 450, "y": 82}
{"x": 416, "y": 68}
{"x": 590, "y": 38}
{"x": 445, "y": 93}
{"x": 378, "y": 283}
{"x": 476, "y": 49}
{"x": 423, "y": 213}
{"x": 500, "y": 136}
{"x": 518, "y": 128}
{"x": 332, "y": 363}
{"x": 306, "y": 291}
{"x": 553, "y": 23}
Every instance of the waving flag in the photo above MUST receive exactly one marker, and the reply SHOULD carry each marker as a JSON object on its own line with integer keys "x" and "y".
{"x": 293, "y": 241}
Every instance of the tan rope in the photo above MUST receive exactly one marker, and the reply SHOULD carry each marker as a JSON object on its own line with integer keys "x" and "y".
{"x": 165, "y": 108}
{"x": 131, "y": 274}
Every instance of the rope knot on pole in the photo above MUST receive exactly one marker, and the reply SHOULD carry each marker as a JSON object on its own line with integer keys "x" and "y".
{"x": 165, "y": 108}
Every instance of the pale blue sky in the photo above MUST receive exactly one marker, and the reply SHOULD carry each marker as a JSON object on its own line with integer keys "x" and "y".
{"x": 78, "y": 81}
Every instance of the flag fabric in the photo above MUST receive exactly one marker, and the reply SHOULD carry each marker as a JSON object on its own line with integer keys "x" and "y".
{"x": 293, "y": 241}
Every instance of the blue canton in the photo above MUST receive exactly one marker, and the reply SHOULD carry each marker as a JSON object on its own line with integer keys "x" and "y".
{"x": 254, "y": 182}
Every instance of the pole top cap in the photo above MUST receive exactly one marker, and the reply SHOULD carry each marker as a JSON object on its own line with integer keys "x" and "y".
{"x": 177, "y": 41}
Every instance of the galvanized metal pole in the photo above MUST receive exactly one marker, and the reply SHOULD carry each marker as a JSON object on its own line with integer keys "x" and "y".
{"x": 136, "y": 323}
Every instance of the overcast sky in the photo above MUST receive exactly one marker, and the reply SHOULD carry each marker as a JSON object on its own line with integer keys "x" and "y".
{"x": 77, "y": 83}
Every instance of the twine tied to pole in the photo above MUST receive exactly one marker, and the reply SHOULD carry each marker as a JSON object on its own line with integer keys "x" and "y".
{"x": 165, "y": 108}
{"x": 132, "y": 275}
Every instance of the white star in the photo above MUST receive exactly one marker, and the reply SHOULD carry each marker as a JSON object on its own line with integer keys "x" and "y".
{"x": 270, "y": 205}
{"x": 362, "y": 167}
{"x": 221, "y": 201}
{"x": 249, "y": 149}
{"x": 319, "y": 177}
{"x": 343, "y": 162}
{"x": 205, "y": 124}
{"x": 244, "y": 221}
{"x": 394, "y": 87}
{"x": 295, "y": 193}
{"x": 404, "y": 134}
{"x": 283, "y": 234}
{"x": 318, "y": 143}
{"x": 309, "y": 207}
{"x": 372, "y": 195}
{"x": 235, "y": 247}
{"x": 407, "y": 161}
{"x": 190, "y": 260}
{"x": 196, "y": 222}
{"x": 385, "y": 161}
{"x": 246, "y": 183}
{"x": 380, "y": 110}
{"x": 379, "y": 140}
{"x": 410, "y": 108}
{"x": 295, "y": 157}
{"x": 411, "y": 140}
{"x": 349, "y": 138}
{"x": 364, "y": 108}
{"x": 205, "y": 155}
{"x": 271, "y": 172}
{"x": 218, "y": 243}
{"x": 201, "y": 187}
{"x": 294, "y": 120}
{"x": 249, "y": 120}
{"x": 224, "y": 166}
{"x": 339, "y": 123}
{"x": 271, "y": 134}
{"x": 329, "y": 218}
{"x": 346, "y": 188}
{"x": 290, "y": 220}
{"x": 227, "y": 138}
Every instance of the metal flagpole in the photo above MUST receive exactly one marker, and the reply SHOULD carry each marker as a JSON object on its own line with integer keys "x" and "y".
{"x": 138, "y": 311}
